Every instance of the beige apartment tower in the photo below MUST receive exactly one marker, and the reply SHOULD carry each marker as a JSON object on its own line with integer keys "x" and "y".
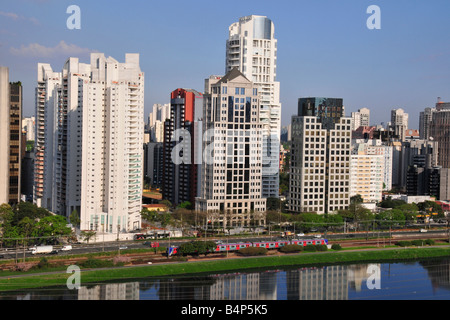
{"x": 232, "y": 162}
{"x": 10, "y": 138}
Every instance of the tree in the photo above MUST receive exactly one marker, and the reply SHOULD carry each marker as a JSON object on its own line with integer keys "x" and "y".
{"x": 51, "y": 228}
{"x": 87, "y": 235}
{"x": 185, "y": 205}
{"x": 431, "y": 206}
{"x": 356, "y": 199}
{"x": 149, "y": 215}
{"x": 74, "y": 218}
{"x": 273, "y": 204}
{"x": 331, "y": 221}
{"x": 310, "y": 220}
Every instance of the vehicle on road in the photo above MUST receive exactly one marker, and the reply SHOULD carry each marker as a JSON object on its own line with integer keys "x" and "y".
{"x": 42, "y": 249}
{"x": 66, "y": 248}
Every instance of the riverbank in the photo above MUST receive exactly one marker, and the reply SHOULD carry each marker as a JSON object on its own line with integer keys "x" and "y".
{"x": 95, "y": 276}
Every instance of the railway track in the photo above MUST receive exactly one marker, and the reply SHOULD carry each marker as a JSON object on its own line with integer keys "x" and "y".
{"x": 389, "y": 240}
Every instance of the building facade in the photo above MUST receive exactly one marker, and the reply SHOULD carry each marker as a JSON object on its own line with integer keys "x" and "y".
{"x": 361, "y": 118}
{"x": 440, "y": 132}
{"x": 182, "y": 147}
{"x": 10, "y": 138}
{"x": 425, "y": 119}
{"x": 399, "y": 122}
{"x": 366, "y": 174}
{"x": 232, "y": 162}
{"x": 252, "y": 48}
{"x": 89, "y": 137}
{"x": 320, "y": 157}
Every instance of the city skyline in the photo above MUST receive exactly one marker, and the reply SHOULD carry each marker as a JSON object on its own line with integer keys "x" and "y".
{"x": 324, "y": 49}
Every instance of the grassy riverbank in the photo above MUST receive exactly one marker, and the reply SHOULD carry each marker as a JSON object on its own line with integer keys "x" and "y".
{"x": 225, "y": 265}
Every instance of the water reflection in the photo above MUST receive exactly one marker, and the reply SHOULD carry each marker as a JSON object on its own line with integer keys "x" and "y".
{"x": 426, "y": 279}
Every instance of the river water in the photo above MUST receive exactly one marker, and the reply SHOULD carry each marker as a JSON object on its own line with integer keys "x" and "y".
{"x": 420, "y": 280}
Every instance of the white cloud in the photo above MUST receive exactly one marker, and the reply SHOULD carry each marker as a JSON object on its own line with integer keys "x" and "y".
{"x": 11, "y": 15}
{"x": 61, "y": 49}
{"x": 15, "y": 16}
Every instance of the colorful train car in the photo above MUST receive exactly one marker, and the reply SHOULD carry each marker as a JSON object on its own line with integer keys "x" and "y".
{"x": 230, "y": 247}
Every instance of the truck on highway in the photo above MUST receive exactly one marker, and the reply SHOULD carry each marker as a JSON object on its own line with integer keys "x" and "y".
{"x": 41, "y": 249}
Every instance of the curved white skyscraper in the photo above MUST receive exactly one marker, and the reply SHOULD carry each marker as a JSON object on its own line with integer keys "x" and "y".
{"x": 252, "y": 48}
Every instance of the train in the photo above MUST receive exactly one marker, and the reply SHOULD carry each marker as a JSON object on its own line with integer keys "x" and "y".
{"x": 230, "y": 247}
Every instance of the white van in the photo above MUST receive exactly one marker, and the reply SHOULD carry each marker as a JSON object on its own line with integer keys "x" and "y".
{"x": 66, "y": 248}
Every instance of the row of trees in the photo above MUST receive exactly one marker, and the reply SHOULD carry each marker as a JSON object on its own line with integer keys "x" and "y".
{"x": 393, "y": 213}
{"x": 27, "y": 224}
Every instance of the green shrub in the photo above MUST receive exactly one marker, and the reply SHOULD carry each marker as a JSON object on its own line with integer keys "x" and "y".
{"x": 418, "y": 243}
{"x": 43, "y": 263}
{"x": 321, "y": 247}
{"x": 197, "y": 247}
{"x": 179, "y": 258}
{"x": 96, "y": 263}
{"x": 291, "y": 248}
{"x": 430, "y": 242}
{"x": 404, "y": 243}
{"x": 336, "y": 246}
{"x": 253, "y": 251}
{"x": 310, "y": 248}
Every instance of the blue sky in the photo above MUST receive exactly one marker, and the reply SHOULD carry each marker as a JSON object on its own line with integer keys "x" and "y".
{"x": 324, "y": 47}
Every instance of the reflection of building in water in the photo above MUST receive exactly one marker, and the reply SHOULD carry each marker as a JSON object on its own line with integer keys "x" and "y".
{"x": 252, "y": 286}
{"x": 327, "y": 283}
{"x": 356, "y": 275}
{"x": 235, "y": 287}
{"x": 268, "y": 285}
{"x": 113, "y": 291}
{"x": 439, "y": 273}
{"x": 359, "y": 273}
{"x": 185, "y": 288}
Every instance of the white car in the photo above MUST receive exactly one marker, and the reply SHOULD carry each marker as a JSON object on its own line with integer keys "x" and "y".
{"x": 318, "y": 236}
{"x": 66, "y": 248}
{"x": 300, "y": 234}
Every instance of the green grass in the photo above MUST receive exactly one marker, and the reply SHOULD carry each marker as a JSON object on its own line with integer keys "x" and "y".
{"x": 225, "y": 265}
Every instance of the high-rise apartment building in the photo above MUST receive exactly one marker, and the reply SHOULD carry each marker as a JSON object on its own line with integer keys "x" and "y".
{"x": 361, "y": 118}
{"x": 10, "y": 138}
{"x": 153, "y": 164}
{"x": 182, "y": 147}
{"x": 89, "y": 137}
{"x": 320, "y": 157}
{"x": 366, "y": 174}
{"x": 28, "y": 126}
{"x": 15, "y": 142}
{"x": 232, "y": 162}
{"x": 376, "y": 147}
{"x": 159, "y": 114}
{"x": 425, "y": 119}
{"x": 252, "y": 48}
{"x": 399, "y": 122}
{"x": 440, "y": 132}
{"x": 4, "y": 134}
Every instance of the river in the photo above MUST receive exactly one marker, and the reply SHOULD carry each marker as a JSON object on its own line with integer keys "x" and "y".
{"x": 420, "y": 280}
